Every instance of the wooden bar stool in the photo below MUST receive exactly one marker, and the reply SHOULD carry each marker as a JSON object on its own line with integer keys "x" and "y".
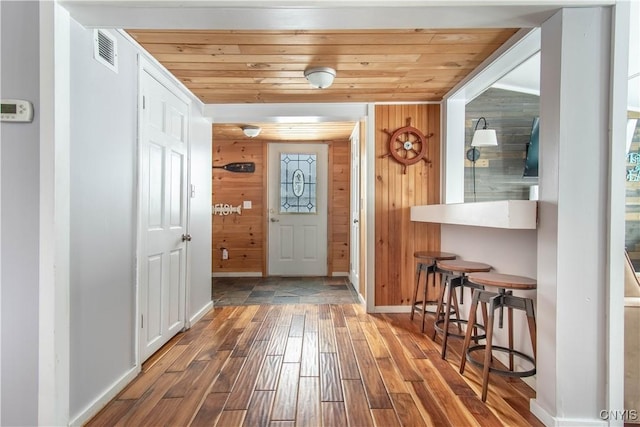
{"x": 427, "y": 264}
{"x": 455, "y": 276}
{"x": 505, "y": 284}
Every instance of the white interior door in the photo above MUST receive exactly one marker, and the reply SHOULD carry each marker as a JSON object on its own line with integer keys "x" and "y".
{"x": 354, "y": 263}
{"x": 163, "y": 206}
{"x": 297, "y": 209}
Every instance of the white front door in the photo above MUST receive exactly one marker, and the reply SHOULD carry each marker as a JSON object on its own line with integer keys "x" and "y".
{"x": 163, "y": 214}
{"x": 354, "y": 270}
{"x": 297, "y": 209}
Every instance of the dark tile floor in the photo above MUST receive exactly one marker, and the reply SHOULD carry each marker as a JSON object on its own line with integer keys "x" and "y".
{"x": 282, "y": 290}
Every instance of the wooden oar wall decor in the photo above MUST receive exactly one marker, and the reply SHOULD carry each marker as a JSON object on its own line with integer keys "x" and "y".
{"x": 243, "y": 167}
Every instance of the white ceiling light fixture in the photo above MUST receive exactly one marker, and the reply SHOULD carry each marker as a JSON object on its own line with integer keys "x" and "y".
{"x": 251, "y": 131}
{"x": 320, "y": 77}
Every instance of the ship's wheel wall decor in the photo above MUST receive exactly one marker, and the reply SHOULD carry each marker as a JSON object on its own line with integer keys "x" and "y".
{"x": 407, "y": 145}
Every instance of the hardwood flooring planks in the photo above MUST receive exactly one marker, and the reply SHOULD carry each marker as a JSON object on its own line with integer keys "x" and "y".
{"x": 330, "y": 387}
{"x": 229, "y": 374}
{"x": 374, "y": 387}
{"x": 268, "y": 376}
{"x": 309, "y": 364}
{"x": 355, "y": 402}
{"x": 407, "y": 410}
{"x": 286, "y": 399}
{"x": 385, "y": 418}
{"x": 308, "y": 410}
{"x": 334, "y": 414}
{"x": 258, "y": 413}
{"x": 346, "y": 357}
{"x": 210, "y": 410}
{"x": 312, "y": 365}
{"x": 241, "y": 393}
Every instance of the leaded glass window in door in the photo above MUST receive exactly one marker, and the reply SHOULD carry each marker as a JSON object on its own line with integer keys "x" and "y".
{"x": 298, "y": 183}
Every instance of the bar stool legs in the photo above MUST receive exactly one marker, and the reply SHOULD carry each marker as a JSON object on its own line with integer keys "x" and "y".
{"x": 498, "y": 301}
{"x": 428, "y": 268}
{"x": 427, "y": 264}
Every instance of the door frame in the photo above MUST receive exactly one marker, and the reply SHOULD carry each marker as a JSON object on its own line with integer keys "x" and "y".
{"x": 355, "y": 209}
{"x": 267, "y": 192}
{"x": 146, "y": 66}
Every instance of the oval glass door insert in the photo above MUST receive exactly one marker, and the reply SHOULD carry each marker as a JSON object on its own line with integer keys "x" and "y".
{"x": 298, "y": 183}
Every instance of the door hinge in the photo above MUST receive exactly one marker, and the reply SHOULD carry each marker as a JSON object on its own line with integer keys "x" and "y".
{"x": 141, "y": 321}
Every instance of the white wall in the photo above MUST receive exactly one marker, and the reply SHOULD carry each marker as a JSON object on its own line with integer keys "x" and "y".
{"x": 200, "y": 215}
{"x": 20, "y": 219}
{"x": 572, "y": 235}
{"x": 103, "y": 218}
{"x": 508, "y": 252}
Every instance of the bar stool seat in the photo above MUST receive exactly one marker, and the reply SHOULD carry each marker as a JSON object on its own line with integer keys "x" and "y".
{"x": 455, "y": 276}
{"x": 505, "y": 284}
{"x": 427, "y": 264}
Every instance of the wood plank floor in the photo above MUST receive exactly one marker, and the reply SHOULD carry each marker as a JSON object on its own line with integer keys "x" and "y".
{"x": 312, "y": 365}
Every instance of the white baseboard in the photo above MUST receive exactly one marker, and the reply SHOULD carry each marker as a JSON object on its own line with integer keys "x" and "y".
{"x": 392, "y": 309}
{"x": 540, "y": 413}
{"x": 238, "y": 274}
{"x": 200, "y": 314}
{"x": 106, "y": 397}
{"x": 550, "y": 421}
{"x": 340, "y": 274}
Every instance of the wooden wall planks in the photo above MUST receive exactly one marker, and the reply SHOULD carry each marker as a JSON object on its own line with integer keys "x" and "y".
{"x": 244, "y": 236}
{"x": 396, "y": 237}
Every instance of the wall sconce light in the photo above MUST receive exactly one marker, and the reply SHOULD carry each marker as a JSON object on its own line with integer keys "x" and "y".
{"x": 481, "y": 138}
{"x": 251, "y": 131}
{"x": 320, "y": 77}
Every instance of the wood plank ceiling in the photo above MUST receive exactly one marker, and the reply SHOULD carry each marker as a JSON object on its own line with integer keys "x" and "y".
{"x": 223, "y": 67}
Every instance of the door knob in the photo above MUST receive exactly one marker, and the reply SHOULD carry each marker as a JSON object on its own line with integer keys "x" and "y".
{"x": 275, "y": 220}
{"x": 355, "y": 221}
{"x": 186, "y": 237}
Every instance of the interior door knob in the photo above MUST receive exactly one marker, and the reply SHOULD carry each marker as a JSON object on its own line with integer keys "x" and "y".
{"x": 186, "y": 237}
{"x": 275, "y": 220}
{"x": 355, "y": 221}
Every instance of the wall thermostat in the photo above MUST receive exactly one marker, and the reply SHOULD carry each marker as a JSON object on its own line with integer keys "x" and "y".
{"x": 16, "y": 110}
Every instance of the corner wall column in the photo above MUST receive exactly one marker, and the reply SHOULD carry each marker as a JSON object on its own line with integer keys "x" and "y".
{"x": 573, "y": 240}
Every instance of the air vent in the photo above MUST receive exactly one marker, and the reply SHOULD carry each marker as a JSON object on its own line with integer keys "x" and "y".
{"x": 105, "y": 49}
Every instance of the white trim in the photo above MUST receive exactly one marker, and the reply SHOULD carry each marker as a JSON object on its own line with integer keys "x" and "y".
{"x": 632, "y": 301}
{"x": 142, "y": 52}
{"x": 201, "y": 313}
{"x": 540, "y": 413}
{"x": 101, "y": 401}
{"x": 237, "y": 274}
{"x": 285, "y": 112}
{"x": 54, "y": 253}
{"x": 551, "y": 421}
{"x": 370, "y": 199}
{"x": 520, "y": 47}
{"x": 334, "y": 15}
{"x": 614, "y": 275}
{"x": 514, "y": 88}
{"x": 340, "y": 274}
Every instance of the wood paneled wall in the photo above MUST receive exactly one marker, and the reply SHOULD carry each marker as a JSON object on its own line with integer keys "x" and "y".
{"x": 396, "y": 237}
{"x": 499, "y": 170}
{"x": 339, "y": 200}
{"x": 244, "y": 236}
